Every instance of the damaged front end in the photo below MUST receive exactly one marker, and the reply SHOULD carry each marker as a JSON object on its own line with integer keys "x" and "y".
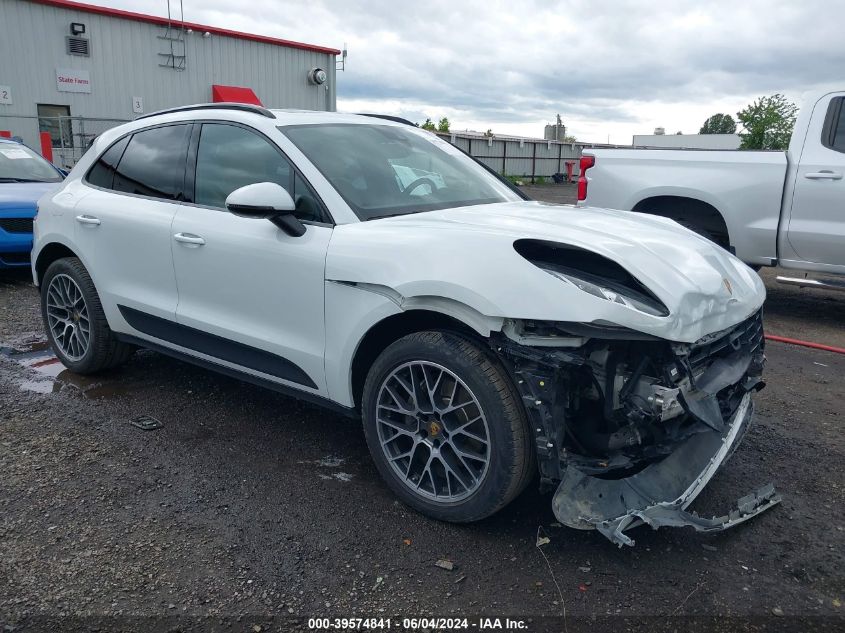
{"x": 631, "y": 427}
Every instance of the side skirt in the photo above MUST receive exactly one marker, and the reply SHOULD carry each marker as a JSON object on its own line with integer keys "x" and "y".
{"x": 293, "y": 392}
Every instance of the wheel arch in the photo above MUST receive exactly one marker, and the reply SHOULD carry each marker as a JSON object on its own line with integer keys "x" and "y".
{"x": 47, "y": 255}
{"x": 688, "y": 211}
{"x": 391, "y": 329}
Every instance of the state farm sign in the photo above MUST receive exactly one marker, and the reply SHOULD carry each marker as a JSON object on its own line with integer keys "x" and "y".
{"x": 72, "y": 80}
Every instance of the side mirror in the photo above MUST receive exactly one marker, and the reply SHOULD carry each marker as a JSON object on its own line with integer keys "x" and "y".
{"x": 266, "y": 201}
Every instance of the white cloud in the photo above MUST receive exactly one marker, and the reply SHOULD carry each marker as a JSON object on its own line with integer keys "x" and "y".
{"x": 611, "y": 69}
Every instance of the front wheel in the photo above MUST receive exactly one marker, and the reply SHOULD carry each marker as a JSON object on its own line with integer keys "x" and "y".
{"x": 74, "y": 320}
{"x": 445, "y": 427}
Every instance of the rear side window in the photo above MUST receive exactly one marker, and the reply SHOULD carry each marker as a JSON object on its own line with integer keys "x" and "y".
{"x": 154, "y": 163}
{"x": 102, "y": 173}
{"x": 833, "y": 134}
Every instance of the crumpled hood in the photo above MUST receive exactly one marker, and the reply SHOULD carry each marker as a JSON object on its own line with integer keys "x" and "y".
{"x": 705, "y": 288}
{"x": 23, "y": 196}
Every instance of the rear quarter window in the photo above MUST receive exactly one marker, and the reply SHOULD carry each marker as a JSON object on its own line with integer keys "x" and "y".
{"x": 833, "y": 133}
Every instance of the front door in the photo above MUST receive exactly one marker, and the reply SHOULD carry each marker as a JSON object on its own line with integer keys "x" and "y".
{"x": 250, "y": 295}
{"x": 817, "y": 218}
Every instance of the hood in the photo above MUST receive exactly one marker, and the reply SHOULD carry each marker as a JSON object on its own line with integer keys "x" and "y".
{"x": 23, "y": 196}
{"x": 467, "y": 254}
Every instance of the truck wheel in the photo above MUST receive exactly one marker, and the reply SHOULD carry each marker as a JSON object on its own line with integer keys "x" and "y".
{"x": 74, "y": 320}
{"x": 445, "y": 427}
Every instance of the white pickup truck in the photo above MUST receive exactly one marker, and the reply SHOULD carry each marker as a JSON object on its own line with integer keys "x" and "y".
{"x": 771, "y": 208}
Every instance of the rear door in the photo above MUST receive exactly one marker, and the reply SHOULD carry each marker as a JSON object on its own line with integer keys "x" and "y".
{"x": 123, "y": 225}
{"x": 250, "y": 295}
{"x": 817, "y": 218}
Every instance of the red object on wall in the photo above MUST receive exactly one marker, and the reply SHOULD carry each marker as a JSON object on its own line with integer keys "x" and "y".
{"x": 46, "y": 146}
{"x": 5, "y": 134}
{"x": 234, "y": 94}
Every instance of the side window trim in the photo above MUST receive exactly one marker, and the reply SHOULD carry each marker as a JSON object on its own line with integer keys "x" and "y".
{"x": 193, "y": 151}
{"x": 185, "y": 150}
{"x": 835, "y": 112}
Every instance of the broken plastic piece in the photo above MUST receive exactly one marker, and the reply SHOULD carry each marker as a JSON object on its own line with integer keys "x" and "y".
{"x": 146, "y": 423}
{"x": 660, "y": 493}
{"x": 669, "y": 515}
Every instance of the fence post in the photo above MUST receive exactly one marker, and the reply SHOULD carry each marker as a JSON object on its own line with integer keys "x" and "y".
{"x": 46, "y": 146}
{"x": 504, "y": 157}
{"x": 533, "y": 162}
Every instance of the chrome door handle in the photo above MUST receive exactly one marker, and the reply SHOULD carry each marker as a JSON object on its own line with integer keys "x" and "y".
{"x": 189, "y": 238}
{"x": 88, "y": 219}
{"x": 824, "y": 174}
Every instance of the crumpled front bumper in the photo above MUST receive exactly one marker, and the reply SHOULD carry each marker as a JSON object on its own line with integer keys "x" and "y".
{"x": 659, "y": 494}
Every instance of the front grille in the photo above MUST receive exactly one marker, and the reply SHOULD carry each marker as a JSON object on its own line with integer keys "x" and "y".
{"x": 15, "y": 258}
{"x": 16, "y": 225}
{"x": 746, "y": 337}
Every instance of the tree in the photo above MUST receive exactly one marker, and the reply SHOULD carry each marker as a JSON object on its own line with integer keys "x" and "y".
{"x": 719, "y": 124}
{"x": 767, "y": 123}
{"x": 569, "y": 139}
{"x": 489, "y": 133}
{"x": 428, "y": 125}
{"x": 443, "y": 125}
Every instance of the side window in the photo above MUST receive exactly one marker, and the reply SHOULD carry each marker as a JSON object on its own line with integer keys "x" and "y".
{"x": 833, "y": 135}
{"x": 154, "y": 163}
{"x": 230, "y": 157}
{"x": 102, "y": 173}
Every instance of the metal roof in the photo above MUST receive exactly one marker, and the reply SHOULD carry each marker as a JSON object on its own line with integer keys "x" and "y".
{"x": 161, "y": 21}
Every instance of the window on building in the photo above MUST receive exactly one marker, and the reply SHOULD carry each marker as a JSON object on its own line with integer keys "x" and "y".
{"x": 230, "y": 157}
{"x": 153, "y": 163}
{"x": 102, "y": 173}
{"x": 55, "y": 119}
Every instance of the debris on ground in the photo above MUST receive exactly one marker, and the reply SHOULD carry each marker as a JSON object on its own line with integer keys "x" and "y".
{"x": 445, "y": 564}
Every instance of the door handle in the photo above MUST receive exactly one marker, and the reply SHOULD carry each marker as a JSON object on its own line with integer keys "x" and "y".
{"x": 189, "y": 238}
{"x": 824, "y": 174}
{"x": 88, "y": 219}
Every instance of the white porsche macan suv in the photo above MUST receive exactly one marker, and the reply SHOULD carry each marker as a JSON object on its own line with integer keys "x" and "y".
{"x": 369, "y": 266}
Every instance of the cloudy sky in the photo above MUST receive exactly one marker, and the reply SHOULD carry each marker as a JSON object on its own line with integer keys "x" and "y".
{"x": 611, "y": 69}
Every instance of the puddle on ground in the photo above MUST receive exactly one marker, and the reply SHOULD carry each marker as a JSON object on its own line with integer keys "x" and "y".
{"x": 46, "y": 374}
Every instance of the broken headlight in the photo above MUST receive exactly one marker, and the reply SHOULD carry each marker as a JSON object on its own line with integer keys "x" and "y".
{"x": 610, "y": 291}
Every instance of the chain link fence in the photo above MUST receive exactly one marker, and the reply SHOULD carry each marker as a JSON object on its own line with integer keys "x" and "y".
{"x": 71, "y": 135}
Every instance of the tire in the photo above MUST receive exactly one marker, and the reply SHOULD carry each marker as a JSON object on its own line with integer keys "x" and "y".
{"x": 467, "y": 372}
{"x": 101, "y": 350}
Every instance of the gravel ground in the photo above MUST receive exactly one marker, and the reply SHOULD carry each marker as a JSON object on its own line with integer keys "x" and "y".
{"x": 248, "y": 507}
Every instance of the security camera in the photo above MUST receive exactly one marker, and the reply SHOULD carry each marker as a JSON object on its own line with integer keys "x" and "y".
{"x": 317, "y": 76}
{"x": 206, "y": 34}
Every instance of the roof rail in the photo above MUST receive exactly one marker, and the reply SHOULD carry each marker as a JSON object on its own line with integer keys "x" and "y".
{"x": 243, "y": 107}
{"x": 389, "y": 117}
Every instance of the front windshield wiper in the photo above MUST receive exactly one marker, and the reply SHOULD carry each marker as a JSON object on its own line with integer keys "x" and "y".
{"x": 3, "y": 179}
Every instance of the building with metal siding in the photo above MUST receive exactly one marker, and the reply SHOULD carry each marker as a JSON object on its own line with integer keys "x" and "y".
{"x": 136, "y": 64}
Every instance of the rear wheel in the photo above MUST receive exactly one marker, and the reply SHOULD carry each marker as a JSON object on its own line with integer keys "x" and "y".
{"x": 74, "y": 320}
{"x": 445, "y": 427}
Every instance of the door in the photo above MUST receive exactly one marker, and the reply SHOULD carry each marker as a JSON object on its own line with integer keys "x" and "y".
{"x": 249, "y": 294}
{"x": 122, "y": 227}
{"x": 817, "y": 218}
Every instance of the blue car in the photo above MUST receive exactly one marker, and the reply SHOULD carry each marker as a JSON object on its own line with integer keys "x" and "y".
{"x": 24, "y": 177}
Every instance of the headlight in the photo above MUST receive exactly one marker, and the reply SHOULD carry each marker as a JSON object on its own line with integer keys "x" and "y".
{"x": 610, "y": 291}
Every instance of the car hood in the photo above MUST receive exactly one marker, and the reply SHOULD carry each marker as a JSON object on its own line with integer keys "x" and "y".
{"x": 22, "y": 196}
{"x": 467, "y": 254}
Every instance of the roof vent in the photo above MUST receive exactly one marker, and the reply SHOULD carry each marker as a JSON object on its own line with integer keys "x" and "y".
{"x": 78, "y": 46}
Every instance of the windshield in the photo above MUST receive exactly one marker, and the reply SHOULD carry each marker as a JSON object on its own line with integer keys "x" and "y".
{"x": 18, "y": 163}
{"x": 383, "y": 170}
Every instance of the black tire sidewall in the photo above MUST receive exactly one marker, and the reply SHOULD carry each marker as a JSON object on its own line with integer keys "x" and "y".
{"x": 493, "y": 492}
{"x": 71, "y": 268}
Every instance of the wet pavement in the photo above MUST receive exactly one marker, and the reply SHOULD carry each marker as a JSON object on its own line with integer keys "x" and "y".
{"x": 244, "y": 504}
